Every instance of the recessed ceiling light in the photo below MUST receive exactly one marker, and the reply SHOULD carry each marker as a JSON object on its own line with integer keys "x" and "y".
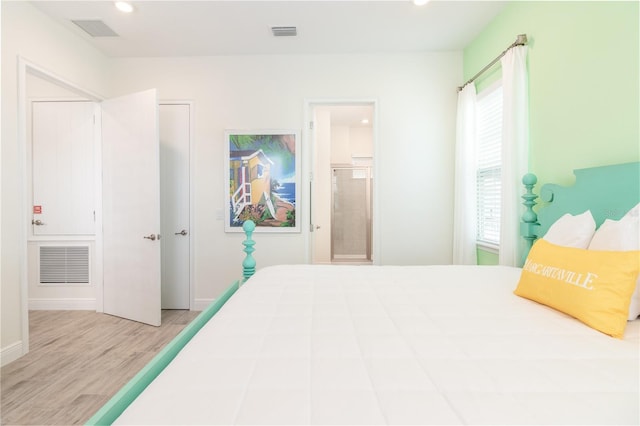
{"x": 124, "y": 6}
{"x": 420, "y": 2}
{"x": 365, "y": 121}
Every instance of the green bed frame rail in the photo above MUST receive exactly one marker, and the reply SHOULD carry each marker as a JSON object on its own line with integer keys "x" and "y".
{"x": 125, "y": 396}
{"x": 608, "y": 191}
{"x": 129, "y": 392}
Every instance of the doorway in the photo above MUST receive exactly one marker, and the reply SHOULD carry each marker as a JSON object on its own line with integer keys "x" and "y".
{"x": 35, "y": 82}
{"x": 175, "y": 205}
{"x": 342, "y": 136}
{"x": 64, "y": 187}
{"x": 39, "y": 83}
{"x": 63, "y": 183}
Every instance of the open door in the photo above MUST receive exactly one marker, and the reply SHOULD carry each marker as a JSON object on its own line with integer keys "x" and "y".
{"x": 131, "y": 207}
{"x": 320, "y": 187}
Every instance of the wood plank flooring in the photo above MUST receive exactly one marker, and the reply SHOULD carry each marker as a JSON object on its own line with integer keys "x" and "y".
{"x": 77, "y": 361}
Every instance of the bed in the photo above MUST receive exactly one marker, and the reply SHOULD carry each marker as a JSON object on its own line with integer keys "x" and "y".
{"x": 313, "y": 344}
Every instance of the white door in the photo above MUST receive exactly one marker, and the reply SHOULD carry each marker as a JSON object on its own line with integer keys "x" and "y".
{"x": 321, "y": 187}
{"x": 63, "y": 168}
{"x": 175, "y": 131}
{"x": 131, "y": 207}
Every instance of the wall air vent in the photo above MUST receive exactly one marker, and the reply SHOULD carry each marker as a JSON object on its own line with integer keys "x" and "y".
{"x": 280, "y": 31}
{"x": 95, "y": 28}
{"x": 64, "y": 264}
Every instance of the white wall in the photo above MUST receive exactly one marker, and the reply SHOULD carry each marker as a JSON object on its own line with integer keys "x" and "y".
{"x": 348, "y": 142}
{"x": 29, "y": 34}
{"x": 416, "y": 117}
{"x": 340, "y": 145}
{"x": 360, "y": 141}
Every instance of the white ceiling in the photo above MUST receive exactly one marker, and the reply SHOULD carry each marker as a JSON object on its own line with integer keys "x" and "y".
{"x": 238, "y": 27}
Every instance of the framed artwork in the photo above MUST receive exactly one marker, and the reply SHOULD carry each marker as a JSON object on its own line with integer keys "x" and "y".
{"x": 262, "y": 180}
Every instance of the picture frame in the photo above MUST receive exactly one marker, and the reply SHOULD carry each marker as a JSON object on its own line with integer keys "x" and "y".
{"x": 262, "y": 180}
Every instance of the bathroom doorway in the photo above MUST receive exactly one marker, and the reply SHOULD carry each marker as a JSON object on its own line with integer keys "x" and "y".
{"x": 342, "y": 139}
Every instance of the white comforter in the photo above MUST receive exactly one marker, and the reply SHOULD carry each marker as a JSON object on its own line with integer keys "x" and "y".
{"x": 394, "y": 345}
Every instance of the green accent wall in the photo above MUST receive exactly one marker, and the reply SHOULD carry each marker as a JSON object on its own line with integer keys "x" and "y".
{"x": 487, "y": 257}
{"x": 584, "y": 73}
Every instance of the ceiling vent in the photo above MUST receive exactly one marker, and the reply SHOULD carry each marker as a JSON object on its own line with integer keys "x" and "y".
{"x": 280, "y": 31}
{"x": 95, "y": 28}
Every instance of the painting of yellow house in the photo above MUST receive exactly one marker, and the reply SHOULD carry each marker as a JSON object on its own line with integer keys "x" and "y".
{"x": 262, "y": 181}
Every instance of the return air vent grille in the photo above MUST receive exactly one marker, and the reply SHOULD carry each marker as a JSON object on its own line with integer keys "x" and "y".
{"x": 95, "y": 28}
{"x": 64, "y": 265}
{"x": 284, "y": 31}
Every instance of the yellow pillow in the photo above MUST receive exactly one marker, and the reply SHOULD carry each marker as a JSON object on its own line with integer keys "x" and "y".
{"x": 590, "y": 285}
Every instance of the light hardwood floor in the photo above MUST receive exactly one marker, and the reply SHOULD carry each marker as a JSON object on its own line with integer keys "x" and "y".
{"x": 77, "y": 361}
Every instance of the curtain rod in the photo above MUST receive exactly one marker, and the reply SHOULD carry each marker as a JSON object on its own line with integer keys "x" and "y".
{"x": 521, "y": 40}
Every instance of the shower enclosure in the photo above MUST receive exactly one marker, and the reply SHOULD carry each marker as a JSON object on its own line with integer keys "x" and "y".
{"x": 351, "y": 214}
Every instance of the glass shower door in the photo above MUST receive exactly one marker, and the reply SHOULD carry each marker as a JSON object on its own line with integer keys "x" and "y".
{"x": 351, "y": 214}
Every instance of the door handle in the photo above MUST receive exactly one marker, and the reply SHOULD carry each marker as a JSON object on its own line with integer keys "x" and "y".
{"x": 183, "y": 232}
{"x": 152, "y": 237}
{"x": 37, "y": 222}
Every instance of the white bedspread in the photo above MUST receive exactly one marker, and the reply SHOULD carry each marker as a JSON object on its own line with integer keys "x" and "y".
{"x": 394, "y": 345}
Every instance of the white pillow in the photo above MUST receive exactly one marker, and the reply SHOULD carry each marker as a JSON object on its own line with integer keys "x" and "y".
{"x": 572, "y": 231}
{"x": 621, "y": 235}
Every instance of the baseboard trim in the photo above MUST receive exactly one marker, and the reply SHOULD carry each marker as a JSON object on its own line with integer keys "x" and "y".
{"x": 201, "y": 304}
{"x": 10, "y": 353}
{"x": 66, "y": 304}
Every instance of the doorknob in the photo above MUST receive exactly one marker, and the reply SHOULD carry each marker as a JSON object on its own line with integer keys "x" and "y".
{"x": 183, "y": 232}
{"x": 151, "y": 237}
{"x": 37, "y": 222}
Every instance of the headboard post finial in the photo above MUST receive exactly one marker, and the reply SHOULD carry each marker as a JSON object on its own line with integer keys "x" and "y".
{"x": 249, "y": 263}
{"x": 529, "y": 217}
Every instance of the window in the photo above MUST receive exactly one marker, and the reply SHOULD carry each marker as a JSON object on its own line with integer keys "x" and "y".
{"x": 488, "y": 166}
{"x": 257, "y": 171}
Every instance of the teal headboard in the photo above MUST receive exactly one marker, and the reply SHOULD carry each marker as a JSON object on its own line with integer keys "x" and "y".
{"x": 608, "y": 191}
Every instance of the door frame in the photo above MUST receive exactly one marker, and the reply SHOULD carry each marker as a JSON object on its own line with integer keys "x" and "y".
{"x": 192, "y": 180}
{"x": 307, "y": 163}
{"x": 25, "y": 68}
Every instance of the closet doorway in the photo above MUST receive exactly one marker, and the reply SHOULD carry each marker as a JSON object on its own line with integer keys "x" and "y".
{"x": 64, "y": 180}
{"x": 342, "y": 137}
{"x": 45, "y": 89}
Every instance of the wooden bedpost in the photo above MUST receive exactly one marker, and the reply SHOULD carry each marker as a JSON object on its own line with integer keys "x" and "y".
{"x": 529, "y": 225}
{"x": 249, "y": 263}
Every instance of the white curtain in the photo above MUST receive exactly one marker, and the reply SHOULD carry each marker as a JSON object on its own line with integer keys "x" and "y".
{"x": 464, "y": 209}
{"x": 515, "y": 152}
